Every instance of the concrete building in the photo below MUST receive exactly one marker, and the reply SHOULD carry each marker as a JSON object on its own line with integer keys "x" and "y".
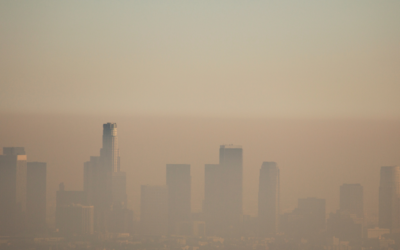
{"x": 154, "y": 210}
{"x": 36, "y": 197}
{"x": 13, "y": 187}
{"x": 268, "y": 200}
{"x": 178, "y": 181}
{"x": 389, "y": 198}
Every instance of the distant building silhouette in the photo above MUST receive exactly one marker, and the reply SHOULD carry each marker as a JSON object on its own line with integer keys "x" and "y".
{"x": 13, "y": 181}
{"x": 352, "y": 199}
{"x": 105, "y": 185}
{"x": 389, "y": 198}
{"x": 268, "y": 199}
{"x": 224, "y": 208}
{"x": 36, "y": 197}
{"x": 154, "y": 210}
{"x": 347, "y": 223}
{"x": 178, "y": 181}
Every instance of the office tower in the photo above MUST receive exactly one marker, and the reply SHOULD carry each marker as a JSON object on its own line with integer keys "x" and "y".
{"x": 389, "y": 195}
{"x": 75, "y": 219}
{"x": 110, "y": 151}
{"x": 231, "y": 160}
{"x": 223, "y": 208}
{"x": 36, "y": 197}
{"x": 351, "y": 199}
{"x": 13, "y": 174}
{"x": 154, "y": 210}
{"x": 105, "y": 184}
{"x": 213, "y": 202}
{"x": 313, "y": 210}
{"x": 179, "y": 195}
{"x": 268, "y": 199}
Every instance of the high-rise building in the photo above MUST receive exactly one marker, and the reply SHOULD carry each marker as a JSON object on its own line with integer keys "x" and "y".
{"x": 105, "y": 184}
{"x": 13, "y": 181}
{"x": 36, "y": 197}
{"x": 110, "y": 151}
{"x": 154, "y": 210}
{"x": 226, "y": 204}
{"x": 351, "y": 199}
{"x": 268, "y": 199}
{"x": 389, "y": 198}
{"x": 231, "y": 160}
{"x": 179, "y": 195}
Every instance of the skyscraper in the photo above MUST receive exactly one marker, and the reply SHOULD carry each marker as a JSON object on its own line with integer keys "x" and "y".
{"x": 179, "y": 195}
{"x": 351, "y": 199}
{"x": 226, "y": 181}
{"x": 105, "y": 184}
{"x": 13, "y": 181}
{"x": 154, "y": 210}
{"x": 110, "y": 151}
{"x": 268, "y": 199}
{"x": 36, "y": 197}
{"x": 389, "y": 196}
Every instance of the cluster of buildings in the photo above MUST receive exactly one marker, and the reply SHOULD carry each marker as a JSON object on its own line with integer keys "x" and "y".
{"x": 100, "y": 209}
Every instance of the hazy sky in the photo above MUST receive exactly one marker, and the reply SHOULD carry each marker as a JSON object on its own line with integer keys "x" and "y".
{"x": 312, "y": 85}
{"x": 214, "y": 58}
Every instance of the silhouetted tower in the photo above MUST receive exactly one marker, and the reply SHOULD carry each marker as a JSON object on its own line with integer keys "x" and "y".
{"x": 179, "y": 195}
{"x": 110, "y": 151}
{"x": 224, "y": 207}
{"x": 13, "y": 174}
{"x": 389, "y": 196}
{"x": 36, "y": 197}
{"x": 351, "y": 199}
{"x": 268, "y": 199}
{"x": 154, "y": 210}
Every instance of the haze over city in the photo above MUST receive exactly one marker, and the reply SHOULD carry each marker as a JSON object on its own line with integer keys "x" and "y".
{"x": 312, "y": 86}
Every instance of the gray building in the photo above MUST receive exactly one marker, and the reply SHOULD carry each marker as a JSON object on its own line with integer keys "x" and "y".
{"x": 178, "y": 181}
{"x": 389, "y": 198}
{"x": 36, "y": 197}
{"x": 13, "y": 181}
{"x": 268, "y": 199}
